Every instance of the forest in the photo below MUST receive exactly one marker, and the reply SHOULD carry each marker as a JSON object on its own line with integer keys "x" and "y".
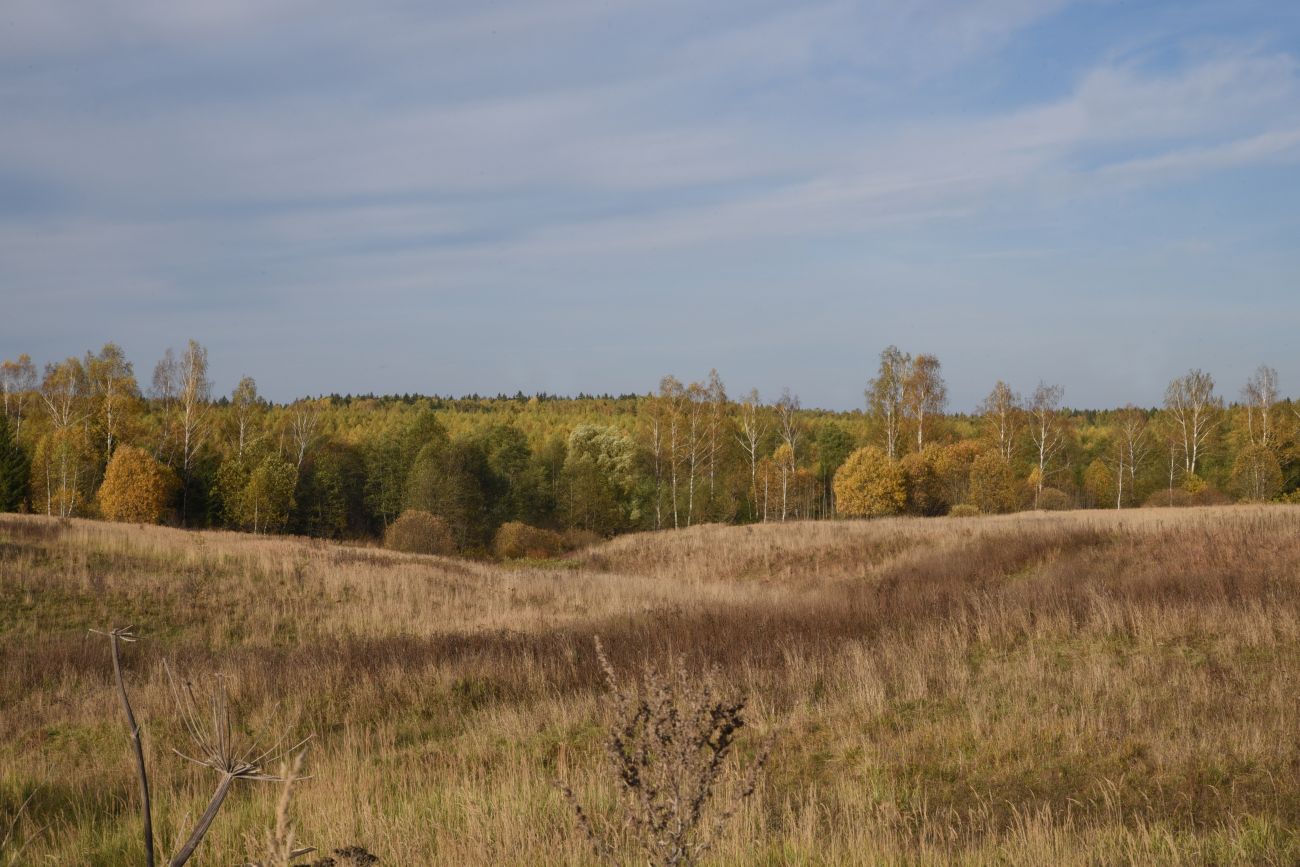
{"x": 87, "y": 437}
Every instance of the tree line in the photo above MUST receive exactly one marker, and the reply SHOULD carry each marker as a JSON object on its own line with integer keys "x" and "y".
{"x": 85, "y": 437}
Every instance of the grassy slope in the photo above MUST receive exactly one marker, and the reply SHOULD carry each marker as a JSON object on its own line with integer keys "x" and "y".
{"x": 1076, "y": 688}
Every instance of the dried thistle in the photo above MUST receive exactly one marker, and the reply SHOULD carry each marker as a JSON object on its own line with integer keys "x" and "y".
{"x": 668, "y": 742}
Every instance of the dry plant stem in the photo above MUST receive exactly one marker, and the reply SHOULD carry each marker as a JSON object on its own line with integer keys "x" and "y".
{"x": 115, "y": 636}
{"x": 205, "y": 821}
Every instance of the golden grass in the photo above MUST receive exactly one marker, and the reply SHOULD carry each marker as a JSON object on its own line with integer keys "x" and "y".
{"x": 1072, "y": 688}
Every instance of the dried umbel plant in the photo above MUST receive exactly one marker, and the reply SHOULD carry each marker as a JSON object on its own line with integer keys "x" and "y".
{"x": 669, "y": 739}
{"x": 214, "y": 744}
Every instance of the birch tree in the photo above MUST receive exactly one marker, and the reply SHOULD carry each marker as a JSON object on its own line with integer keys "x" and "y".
{"x": 1046, "y": 431}
{"x": 194, "y": 391}
{"x": 302, "y": 428}
{"x": 1003, "y": 414}
{"x": 695, "y": 441}
{"x": 1133, "y": 447}
{"x": 63, "y": 393}
{"x": 17, "y": 382}
{"x": 1259, "y": 395}
{"x": 245, "y": 405}
{"x": 924, "y": 393}
{"x": 163, "y": 389}
{"x": 750, "y": 431}
{"x": 672, "y": 397}
{"x": 114, "y": 391}
{"x": 885, "y": 395}
{"x": 1195, "y": 412}
{"x": 717, "y": 395}
{"x": 791, "y": 430}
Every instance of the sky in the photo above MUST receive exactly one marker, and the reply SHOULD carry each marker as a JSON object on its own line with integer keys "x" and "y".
{"x": 572, "y": 196}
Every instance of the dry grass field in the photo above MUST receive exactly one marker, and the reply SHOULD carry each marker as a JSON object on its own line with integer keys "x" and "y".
{"x": 1067, "y": 688}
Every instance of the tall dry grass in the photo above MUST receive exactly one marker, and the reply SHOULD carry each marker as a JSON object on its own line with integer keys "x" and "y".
{"x": 1077, "y": 688}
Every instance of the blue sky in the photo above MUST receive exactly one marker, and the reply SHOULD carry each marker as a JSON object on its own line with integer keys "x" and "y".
{"x": 583, "y": 195}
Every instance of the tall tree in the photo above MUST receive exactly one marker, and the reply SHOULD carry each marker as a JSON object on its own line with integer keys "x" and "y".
{"x": 1047, "y": 432}
{"x": 750, "y": 431}
{"x": 15, "y": 470}
{"x": 63, "y": 393}
{"x": 1259, "y": 395}
{"x": 303, "y": 422}
{"x": 163, "y": 389}
{"x": 1133, "y": 446}
{"x": 193, "y": 395}
{"x": 672, "y": 398}
{"x": 790, "y": 426}
{"x": 885, "y": 394}
{"x": 1003, "y": 416}
{"x": 924, "y": 393}
{"x": 246, "y": 406}
{"x": 113, "y": 390}
{"x": 1195, "y": 411}
{"x": 17, "y": 382}
{"x": 717, "y": 397}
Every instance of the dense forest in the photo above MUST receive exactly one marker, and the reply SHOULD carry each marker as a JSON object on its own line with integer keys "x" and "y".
{"x": 86, "y": 437}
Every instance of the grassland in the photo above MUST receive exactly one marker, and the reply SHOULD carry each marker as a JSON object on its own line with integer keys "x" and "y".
{"x": 1074, "y": 688}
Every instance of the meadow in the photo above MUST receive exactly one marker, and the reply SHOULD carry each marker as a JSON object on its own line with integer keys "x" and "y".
{"x": 1076, "y": 688}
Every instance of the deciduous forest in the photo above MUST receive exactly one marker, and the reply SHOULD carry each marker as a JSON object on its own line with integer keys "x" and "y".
{"x": 89, "y": 437}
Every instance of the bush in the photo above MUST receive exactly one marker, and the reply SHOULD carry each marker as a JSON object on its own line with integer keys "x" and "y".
{"x": 992, "y": 484}
{"x": 419, "y": 532}
{"x": 136, "y": 488}
{"x": 515, "y": 540}
{"x": 870, "y": 484}
{"x": 964, "y": 510}
{"x": 576, "y": 537}
{"x": 1053, "y": 500}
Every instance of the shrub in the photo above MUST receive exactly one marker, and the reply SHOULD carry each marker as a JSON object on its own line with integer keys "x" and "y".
{"x": 419, "y": 532}
{"x": 964, "y": 510}
{"x": 869, "y": 484}
{"x": 136, "y": 488}
{"x": 992, "y": 484}
{"x": 1053, "y": 500}
{"x": 925, "y": 490}
{"x": 515, "y": 540}
{"x": 576, "y": 537}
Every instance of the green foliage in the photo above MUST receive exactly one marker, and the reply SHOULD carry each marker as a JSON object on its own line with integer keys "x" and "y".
{"x": 256, "y": 493}
{"x": 450, "y": 480}
{"x": 15, "y": 470}
{"x": 598, "y": 482}
{"x": 330, "y": 499}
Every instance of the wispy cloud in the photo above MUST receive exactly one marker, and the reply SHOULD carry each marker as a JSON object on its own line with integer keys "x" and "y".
{"x": 240, "y": 155}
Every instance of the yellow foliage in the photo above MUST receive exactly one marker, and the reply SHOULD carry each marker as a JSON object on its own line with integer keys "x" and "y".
{"x": 515, "y": 540}
{"x": 419, "y": 532}
{"x": 136, "y": 488}
{"x": 869, "y": 484}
